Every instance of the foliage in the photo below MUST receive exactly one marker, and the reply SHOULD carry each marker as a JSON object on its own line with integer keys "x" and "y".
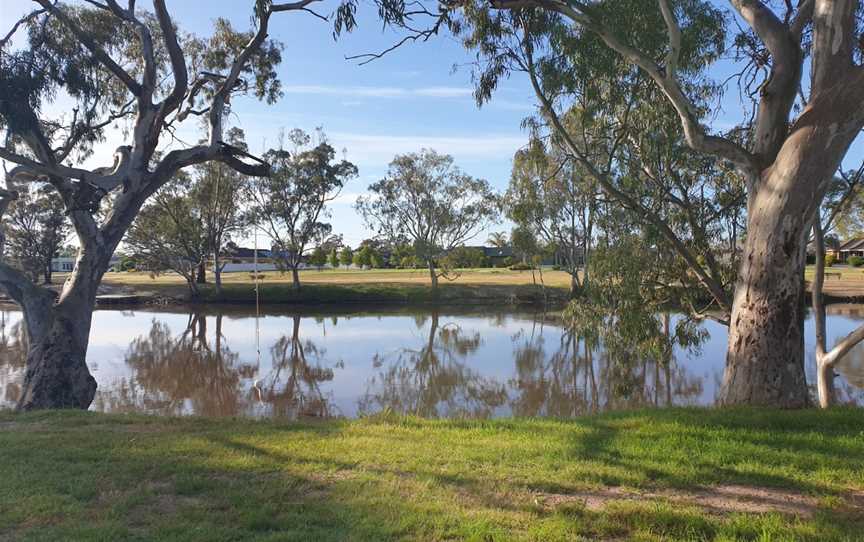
{"x": 35, "y": 232}
{"x": 363, "y": 257}
{"x": 318, "y": 258}
{"x": 169, "y": 234}
{"x": 290, "y": 204}
{"x": 333, "y": 258}
{"x": 346, "y": 257}
{"x": 552, "y": 197}
{"x": 855, "y": 261}
{"x": 428, "y": 200}
{"x": 830, "y": 259}
{"x": 467, "y": 258}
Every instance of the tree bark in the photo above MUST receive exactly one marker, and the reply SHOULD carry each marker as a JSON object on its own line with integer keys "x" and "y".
{"x": 201, "y": 277}
{"x": 765, "y": 353}
{"x": 57, "y": 374}
{"x": 295, "y": 278}
{"x": 433, "y": 276}
{"x": 217, "y": 272}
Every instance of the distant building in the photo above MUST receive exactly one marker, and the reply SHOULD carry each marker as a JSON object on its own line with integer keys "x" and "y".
{"x": 852, "y": 247}
{"x": 66, "y": 265}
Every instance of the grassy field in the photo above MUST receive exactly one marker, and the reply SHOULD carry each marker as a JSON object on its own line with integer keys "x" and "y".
{"x": 681, "y": 474}
{"x": 354, "y": 286}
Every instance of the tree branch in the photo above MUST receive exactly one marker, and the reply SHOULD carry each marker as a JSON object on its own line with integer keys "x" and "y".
{"x": 101, "y": 55}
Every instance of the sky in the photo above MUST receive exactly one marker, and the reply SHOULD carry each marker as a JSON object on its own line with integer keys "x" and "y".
{"x": 410, "y": 99}
{"x": 420, "y": 95}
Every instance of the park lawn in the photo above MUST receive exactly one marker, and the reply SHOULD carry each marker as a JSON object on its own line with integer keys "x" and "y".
{"x": 356, "y": 286}
{"x": 87, "y": 476}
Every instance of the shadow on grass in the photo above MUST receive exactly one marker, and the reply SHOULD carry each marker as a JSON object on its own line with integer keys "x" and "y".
{"x": 84, "y": 476}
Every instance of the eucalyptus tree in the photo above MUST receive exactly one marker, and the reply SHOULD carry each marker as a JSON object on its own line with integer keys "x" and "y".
{"x": 426, "y": 199}
{"x": 35, "y": 232}
{"x": 115, "y": 64}
{"x": 219, "y": 193}
{"x": 556, "y": 199}
{"x": 170, "y": 234}
{"x": 290, "y": 203}
{"x": 785, "y": 156}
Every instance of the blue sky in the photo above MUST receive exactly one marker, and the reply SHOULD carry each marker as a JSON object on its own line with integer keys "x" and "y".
{"x": 409, "y": 99}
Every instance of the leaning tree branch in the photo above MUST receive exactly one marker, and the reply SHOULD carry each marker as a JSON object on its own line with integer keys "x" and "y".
{"x": 694, "y": 133}
{"x": 23, "y": 20}
{"x": 178, "y": 63}
{"x": 602, "y": 179}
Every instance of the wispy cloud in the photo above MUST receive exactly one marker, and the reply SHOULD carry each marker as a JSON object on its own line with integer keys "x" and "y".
{"x": 380, "y": 92}
{"x": 378, "y": 150}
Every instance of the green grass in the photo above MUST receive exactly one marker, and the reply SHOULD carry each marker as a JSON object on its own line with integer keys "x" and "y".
{"x": 86, "y": 476}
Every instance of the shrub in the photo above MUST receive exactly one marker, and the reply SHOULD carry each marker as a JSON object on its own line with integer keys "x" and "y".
{"x": 854, "y": 261}
{"x": 521, "y": 267}
{"x": 829, "y": 260}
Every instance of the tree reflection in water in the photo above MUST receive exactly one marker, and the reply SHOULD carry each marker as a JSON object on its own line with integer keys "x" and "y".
{"x": 179, "y": 375}
{"x": 433, "y": 380}
{"x": 191, "y": 373}
{"x": 580, "y": 377}
{"x": 293, "y": 387}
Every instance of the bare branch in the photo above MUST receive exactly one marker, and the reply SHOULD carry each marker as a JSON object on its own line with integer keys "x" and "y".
{"x": 23, "y": 20}
{"x": 178, "y": 62}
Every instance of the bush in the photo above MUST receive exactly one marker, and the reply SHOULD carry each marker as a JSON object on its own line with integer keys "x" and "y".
{"x": 830, "y": 259}
{"x": 521, "y": 267}
{"x": 854, "y": 261}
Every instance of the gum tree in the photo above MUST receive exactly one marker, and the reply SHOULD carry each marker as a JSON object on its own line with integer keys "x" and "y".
{"x": 426, "y": 199}
{"x": 785, "y": 153}
{"x": 113, "y": 63}
{"x": 290, "y": 203}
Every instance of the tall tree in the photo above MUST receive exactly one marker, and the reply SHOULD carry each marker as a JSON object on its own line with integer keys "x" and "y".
{"x": 35, "y": 232}
{"x": 555, "y": 198}
{"x": 219, "y": 192}
{"x": 290, "y": 203}
{"x": 786, "y": 151}
{"x": 116, "y": 64}
{"x": 169, "y": 234}
{"x": 426, "y": 199}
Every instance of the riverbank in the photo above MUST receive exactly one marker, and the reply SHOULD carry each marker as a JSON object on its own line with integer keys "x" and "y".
{"x": 347, "y": 287}
{"x": 648, "y": 475}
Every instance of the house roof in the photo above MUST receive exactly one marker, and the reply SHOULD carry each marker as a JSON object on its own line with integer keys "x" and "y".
{"x": 856, "y": 243}
{"x": 243, "y": 252}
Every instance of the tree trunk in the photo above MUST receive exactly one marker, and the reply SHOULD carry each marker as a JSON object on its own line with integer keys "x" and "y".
{"x": 57, "y": 374}
{"x": 575, "y": 289}
{"x": 825, "y": 383}
{"x": 217, "y": 272}
{"x": 433, "y": 276}
{"x": 202, "y": 273}
{"x": 47, "y": 273}
{"x": 765, "y": 353}
{"x": 295, "y": 278}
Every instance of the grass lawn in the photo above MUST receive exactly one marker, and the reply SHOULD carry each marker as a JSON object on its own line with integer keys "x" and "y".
{"x": 680, "y": 474}
{"x": 353, "y": 286}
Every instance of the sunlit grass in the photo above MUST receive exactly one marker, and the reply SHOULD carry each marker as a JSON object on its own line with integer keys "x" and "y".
{"x": 110, "y": 477}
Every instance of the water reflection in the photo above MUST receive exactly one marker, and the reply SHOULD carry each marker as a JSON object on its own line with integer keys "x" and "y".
{"x": 447, "y": 364}
{"x": 434, "y": 378}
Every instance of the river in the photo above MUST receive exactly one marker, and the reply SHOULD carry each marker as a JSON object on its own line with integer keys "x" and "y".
{"x": 443, "y": 363}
